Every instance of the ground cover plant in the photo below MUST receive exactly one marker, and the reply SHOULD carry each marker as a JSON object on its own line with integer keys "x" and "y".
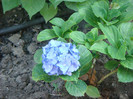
{"x": 71, "y": 53}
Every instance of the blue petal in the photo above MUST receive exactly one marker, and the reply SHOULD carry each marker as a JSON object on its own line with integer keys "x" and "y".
{"x": 54, "y": 43}
{"x": 47, "y": 67}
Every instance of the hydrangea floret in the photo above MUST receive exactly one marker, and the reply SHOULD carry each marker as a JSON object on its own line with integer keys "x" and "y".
{"x": 60, "y": 58}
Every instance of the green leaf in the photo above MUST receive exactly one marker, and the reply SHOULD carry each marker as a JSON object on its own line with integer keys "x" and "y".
{"x": 128, "y": 63}
{"x": 126, "y": 30}
{"x": 57, "y": 31}
{"x": 100, "y": 47}
{"x": 112, "y": 33}
{"x": 76, "y": 88}
{"x": 113, "y": 13}
{"x": 92, "y": 92}
{"x": 92, "y": 35}
{"x": 48, "y": 12}
{"x": 62, "y": 39}
{"x": 111, "y": 64}
{"x": 75, "y": 0}
{"x": 32, "y": 6}
{"x": 38, "y": 74}
{"x": 78, "y": 37}
{"x": 9, "y": 4}
{"x": 100, "y": 9}
{"x": 84, "y": 69}
{"x": 124, "y": 75}
{"x": 117, "y": 53}
{"x": 90, "y": 18}
{"x": 55, "y": 2}
{"x": 74, "y": 19}
{"x": 74, "y": 77}
{"x": 46, "y": 34}
{"x": 85, "y": 55}
{"x": 57, "y": 21}
{"x": 38, "y": 56}
{"x": 126, "y": 17}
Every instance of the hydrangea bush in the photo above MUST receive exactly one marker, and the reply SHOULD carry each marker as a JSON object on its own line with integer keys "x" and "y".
{"x": 72, "y": 53}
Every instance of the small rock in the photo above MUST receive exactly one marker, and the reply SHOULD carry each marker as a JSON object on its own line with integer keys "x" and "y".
{"x": 14, "y": 39}
{"x": 25, "y": 78}
{"x": 12, "y": 83}
{"x": 18, "y": 79}
{"x": 28, "y": 87}
{"x": 6, "y": 48}
{"x": 18, "y": 51}
{"x": 123, "y": 96}
{"x": 32, "y": 48}
{"x": 22, "y": 85}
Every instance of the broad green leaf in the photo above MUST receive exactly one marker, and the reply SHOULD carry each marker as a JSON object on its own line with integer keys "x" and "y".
{"x": 9, "y": 4}
{"x": 111, "y": 64}
{"x": 32, "y": 6}
{"x": 87, "y": 45}
{"x": 39, "y": 74}
{"x": 125, "y": 75}
{"x": 90, "y": 18}
{"x": 113, "y": 13}
{"x": 55, "y": 2}
{"x": 74, "y": 77}
{"x": 100, "y": 47}
{"x": 84, "y": 69}
{"x": 75, "y": 0}
{"x": 100, "y": 9}
{"x": 117, "y": 53}
{"x": 38, "y": 56}
{"x": 79, "y": 5}
{"x": 74, "y": 19}
{"x": 46, "y": 34}
{"x": 112, "y": 33}
{"x": 57, "y": 31}
{"x": 126, "y": 30}
{"x": 48, "y": 12}
{"x": 57, "y": 21}
{"x": 128, "y": 63}
{"x": 92, "y": 35}
{"x": 126, "y": 17}
{"x": 76, "y": 88}
{"x": 62, "y": 39}
{"x": 92, "y": 92}
{"x": 85, "y": 55}
{"x": 78, "y": 37}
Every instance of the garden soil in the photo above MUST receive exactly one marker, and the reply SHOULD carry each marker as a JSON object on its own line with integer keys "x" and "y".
{"x": 16, "y": 63}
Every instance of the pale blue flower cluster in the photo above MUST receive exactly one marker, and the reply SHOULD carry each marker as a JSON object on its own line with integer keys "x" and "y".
{"x": 60, "y": 58}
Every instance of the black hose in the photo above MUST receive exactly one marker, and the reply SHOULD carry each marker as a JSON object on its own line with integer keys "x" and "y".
{"x": 21, "y": 26}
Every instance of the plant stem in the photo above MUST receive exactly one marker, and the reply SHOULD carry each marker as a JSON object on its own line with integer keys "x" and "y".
{"x": 106, "y": 76}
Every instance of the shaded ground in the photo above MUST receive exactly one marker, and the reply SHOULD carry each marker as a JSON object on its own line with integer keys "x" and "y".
{"x": 16, "y": 63}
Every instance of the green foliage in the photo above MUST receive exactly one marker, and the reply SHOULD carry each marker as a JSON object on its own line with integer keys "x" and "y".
{"x": 39, "y": 74}
{"x": 78, "y": 37}
{"x": 32, "y": 6}
{"x": 128, "y": 63}
{"x": 46, "y": 35}
{"x": 9, "y": 4}
{"x": 76, "y": 88}
{"x": 92, "y": 92}
{"x": 100, "y": 47}
{"x": 48, "y": 11}
{"x": 111, "y": 64}
{"x": 125, "y": 75}
{"x": 38, "y": 56}
{"x": 74, "y": 77}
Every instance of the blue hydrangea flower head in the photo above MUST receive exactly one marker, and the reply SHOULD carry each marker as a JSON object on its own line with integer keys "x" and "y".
{"x": 60, "y": 58}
